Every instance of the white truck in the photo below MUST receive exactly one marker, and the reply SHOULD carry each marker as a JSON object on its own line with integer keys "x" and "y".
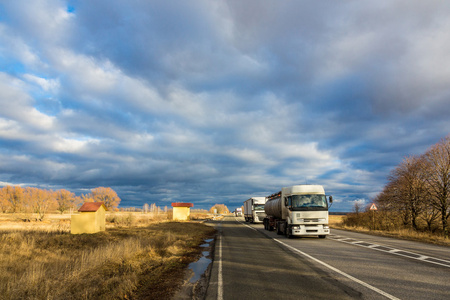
{"x": 238, "y": 212}
{"x": 299, "y": 210}
{"x": 254, "y": 209}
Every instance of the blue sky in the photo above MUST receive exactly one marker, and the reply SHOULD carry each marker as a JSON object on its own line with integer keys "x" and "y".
{"x": 217, "y": 101}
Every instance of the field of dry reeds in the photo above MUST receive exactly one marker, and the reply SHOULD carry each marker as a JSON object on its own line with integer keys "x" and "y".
{"x": 41, "y": 260}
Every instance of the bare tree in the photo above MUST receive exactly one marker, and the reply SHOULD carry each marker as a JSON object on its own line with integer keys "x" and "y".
{"x": 357, "y": 207}
{"x": 41, "y": 201}
{"x": 4, "y": 203}
{"x": 15, "y": 197}
{"x": 430, "y": 215}
{"x": 146, "y": 208}
{"x": 106, "y": 195}
{"x": 437, "y": 161}
{"x": 410, "y": 181}
{"x": 221, "y": 209}
{"x": 390, "y": 201}
{"x": 65, "y": 200}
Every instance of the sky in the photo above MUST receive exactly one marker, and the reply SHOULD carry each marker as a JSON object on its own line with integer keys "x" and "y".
{"x": 213, "y": 102}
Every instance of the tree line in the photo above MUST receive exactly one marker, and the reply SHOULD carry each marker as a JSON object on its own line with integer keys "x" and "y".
{"x": 17, "y": 199}
{"x": 417, "y": 193}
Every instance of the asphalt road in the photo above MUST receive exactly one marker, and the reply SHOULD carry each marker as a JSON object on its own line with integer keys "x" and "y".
{"x": 252, "y": 263}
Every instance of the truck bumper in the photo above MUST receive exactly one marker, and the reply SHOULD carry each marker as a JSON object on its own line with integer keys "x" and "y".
{"x": 299, "y": 230}
{"x": 257, "y": 220}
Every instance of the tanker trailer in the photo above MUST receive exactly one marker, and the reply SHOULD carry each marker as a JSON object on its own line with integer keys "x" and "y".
{"x": 299, "y": 210}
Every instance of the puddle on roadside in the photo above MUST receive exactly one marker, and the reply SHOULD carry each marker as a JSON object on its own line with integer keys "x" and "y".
{"x": 206, "y": 243}
{"x": 199, "y": 267}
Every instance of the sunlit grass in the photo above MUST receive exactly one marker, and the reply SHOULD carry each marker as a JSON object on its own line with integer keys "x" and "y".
{"x": 126, "y": 262}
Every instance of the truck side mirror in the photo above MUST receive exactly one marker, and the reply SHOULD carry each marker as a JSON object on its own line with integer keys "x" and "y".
{"x": 331, "y": 199}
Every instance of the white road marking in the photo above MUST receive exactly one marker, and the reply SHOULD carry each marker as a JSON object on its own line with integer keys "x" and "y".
{"x": 389, "y": 296}
{"x": 428, "y": 259}
{"x": 381, "y": 292}
{"x": 220, "y": 279}
{"x": 387, "y": 249}
{"x": 252, "y": 228}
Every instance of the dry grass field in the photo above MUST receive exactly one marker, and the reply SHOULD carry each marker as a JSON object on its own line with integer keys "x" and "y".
{"x": 335, "y": 220}
{"x": 137, "y": 257}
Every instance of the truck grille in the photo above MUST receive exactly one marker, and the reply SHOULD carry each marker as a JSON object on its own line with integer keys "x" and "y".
{"x": 311, "y": 220}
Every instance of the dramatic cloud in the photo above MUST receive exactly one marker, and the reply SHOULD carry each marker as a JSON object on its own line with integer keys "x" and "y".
{"x": 216, "y": 101}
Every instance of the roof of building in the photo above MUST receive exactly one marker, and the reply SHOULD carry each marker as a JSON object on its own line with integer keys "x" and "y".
{"x": 91, "y": 206}
{"x": 178, "y": 204}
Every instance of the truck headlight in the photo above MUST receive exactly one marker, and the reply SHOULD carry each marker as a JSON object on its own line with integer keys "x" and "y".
{"x": 326, "y": 227}
{"x": 295, "y": 227}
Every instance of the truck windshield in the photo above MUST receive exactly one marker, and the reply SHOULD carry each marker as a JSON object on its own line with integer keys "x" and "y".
{"x": 258, "y": 207}
{"x": 312, "y": 202}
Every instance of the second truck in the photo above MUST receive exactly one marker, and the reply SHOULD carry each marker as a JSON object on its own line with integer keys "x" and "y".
{"x": 299, "y": 210}
{"x": 254, "y": 209}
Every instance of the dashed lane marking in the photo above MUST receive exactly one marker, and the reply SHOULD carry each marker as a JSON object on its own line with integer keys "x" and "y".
{"x": 295, "y": 250}
{"x": 386, "y": 249}
{"x": 371, "y": 287}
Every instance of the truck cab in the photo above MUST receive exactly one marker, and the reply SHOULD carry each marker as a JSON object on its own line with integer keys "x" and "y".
{"x": 254, "y": 209}
{"x": 300, "y": 210}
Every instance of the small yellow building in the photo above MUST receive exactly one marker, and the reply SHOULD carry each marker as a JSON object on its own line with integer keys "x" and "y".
{"x": 91, "y": 218}
{"x": 182, "y": 211}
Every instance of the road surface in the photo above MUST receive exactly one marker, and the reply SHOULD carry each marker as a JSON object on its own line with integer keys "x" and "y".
{"x": 252, "y": 263}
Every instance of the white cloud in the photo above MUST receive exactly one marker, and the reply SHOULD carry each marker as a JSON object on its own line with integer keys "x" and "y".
{"x": 191, "y": 98}
{"x": 47, "y": 85}
{"x": 18, "y": 105}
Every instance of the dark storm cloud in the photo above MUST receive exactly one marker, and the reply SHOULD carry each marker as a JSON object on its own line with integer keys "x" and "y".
{"x": 213, "y": 102}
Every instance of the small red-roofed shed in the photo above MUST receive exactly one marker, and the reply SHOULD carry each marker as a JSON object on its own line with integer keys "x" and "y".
{"x": 181, "y": 211}
{"x": 91, "y": 207}
{"x": 91, "y": 218}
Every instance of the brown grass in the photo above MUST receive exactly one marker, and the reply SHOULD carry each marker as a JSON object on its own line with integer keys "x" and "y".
{"x": 120, "y": 263}
{"x": 335, "y": 220}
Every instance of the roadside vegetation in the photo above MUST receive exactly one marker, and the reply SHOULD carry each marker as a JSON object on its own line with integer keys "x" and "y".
{"x": 137, "y": 257}
{"x": 415, "y": 203}
{"x": 35, "y": 203}
{"x": 365, "y": 219}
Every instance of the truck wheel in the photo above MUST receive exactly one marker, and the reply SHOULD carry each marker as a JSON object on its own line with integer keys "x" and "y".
{"x": 322, "y": 236}
{"x": 278, "y": 229}
{"x": 288, "y": 233}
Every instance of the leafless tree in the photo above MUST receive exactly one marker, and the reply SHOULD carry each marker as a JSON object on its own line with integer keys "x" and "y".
{"x": 357, "y": 207}
{"x": 106, "y": 195}
{"x": 40, "y": 201}
{"x": 65, "y": 200}
{"x": 410, "y": 184}
{"x": 15, "y": 197}
{"x": 437, "y": 162}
